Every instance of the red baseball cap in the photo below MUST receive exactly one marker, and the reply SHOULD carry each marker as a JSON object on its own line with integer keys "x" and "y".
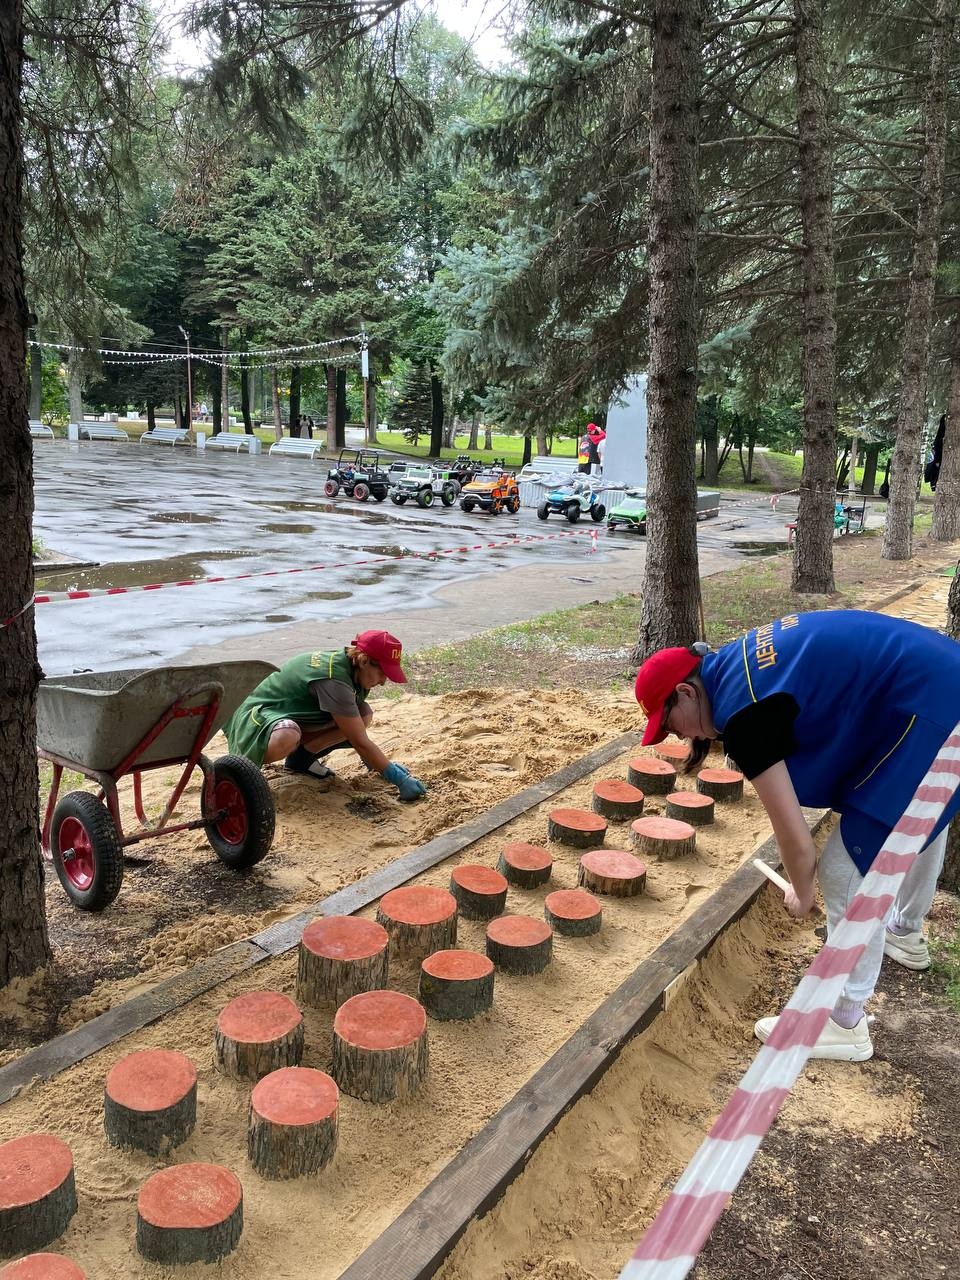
{"x": 385, "y": 650}
{"x": 656, "y": 680}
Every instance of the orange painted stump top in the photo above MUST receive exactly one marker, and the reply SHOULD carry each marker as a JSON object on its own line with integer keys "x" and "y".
{"x": 151, "y": 1080}
{"x": 42, "y": 1266}
{"x": 690, "y": 800}
{"x": 720, "y": 775}
{"x": 259, "y": 1016}
{"x": 478, "y": 879}
{"x": 675, "y": 752}
{"x": 189, "y": 1195}
{"x": 518, "y": 931}
{"x": 618, "y": 791}
{"x": 32, "y": 1167}
{"x": 345, "y": 938}
{"x": 652, "y": 765}
{"x": 418, "y": 904}
{"x": 295, "y": 1096}
{"x": 579, "y": 819}
{"x": 378, "y": 1020}
{"x": 663, "y": 828}
{"x": 572, "y": 904}
{"x": 457, "y": 966}
{"x": 614, "y": 864}
{"x": 527, "y": 857}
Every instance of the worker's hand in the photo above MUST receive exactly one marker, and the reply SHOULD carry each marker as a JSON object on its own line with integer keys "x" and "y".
{"x": 409, "y": 787}
{"x": 799, "y": 903}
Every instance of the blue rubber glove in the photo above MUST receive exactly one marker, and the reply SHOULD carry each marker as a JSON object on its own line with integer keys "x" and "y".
{"x": 410, "y": 788}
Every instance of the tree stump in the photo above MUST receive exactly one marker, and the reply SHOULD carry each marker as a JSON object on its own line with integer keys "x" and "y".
{"x": 573, "y": 912}
{"x": 258, "y": 1033}
{"x": 525, "y": 865}
{"x": 293, "y": 1123}
{"x": 38, "y": 1196}
{"x": 520, "y": 944}
{"x": 653, "y": 776}
{"x": 419, "y": 920}
{"x": 150, "y": 1100}
{"x": 42, "y": 1266}
{"x": 616, "y": 800}
{"x": 380, "y": 1046}
{"x": 664, "y": 837}
{"x": 189, "y": 1213}
{"x": 481, "y": 892}
{"x": 690, "y": 806}
{"x": 613, "y": 872}
{"x": 724, "y": 785}
{"x": 578, "y": 828}
{"x": 340, "y": 956}
{"x": 675, "y": 753}
{"x": 456, "y": 985}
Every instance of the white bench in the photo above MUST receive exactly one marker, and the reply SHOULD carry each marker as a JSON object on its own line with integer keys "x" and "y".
{"x": 100, "y": 431}
{"x": 40, "y": 431}
{"x": 543, "y": 465}
{"x": 236, "y": 440}
{"x": 299, "y": 448}
{"x": 167, "y": 435}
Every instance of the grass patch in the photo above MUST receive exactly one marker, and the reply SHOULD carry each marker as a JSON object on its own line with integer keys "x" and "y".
{"x": 510, "y": 448}
{"x": 945, "y": 955}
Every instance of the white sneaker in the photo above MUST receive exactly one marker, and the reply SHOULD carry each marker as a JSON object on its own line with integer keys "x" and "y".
{"x": 834, "y": 1042}
{"x": 908, "y": 949}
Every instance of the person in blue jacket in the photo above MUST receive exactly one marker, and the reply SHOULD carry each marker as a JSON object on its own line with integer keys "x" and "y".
{"x": 842, "y": 710}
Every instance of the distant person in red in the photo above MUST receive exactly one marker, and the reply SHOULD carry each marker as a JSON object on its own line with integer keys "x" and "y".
{"x": 588, "y": 452}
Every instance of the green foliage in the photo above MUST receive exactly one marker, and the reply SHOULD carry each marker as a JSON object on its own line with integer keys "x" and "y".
{"x": 411, "y": 410}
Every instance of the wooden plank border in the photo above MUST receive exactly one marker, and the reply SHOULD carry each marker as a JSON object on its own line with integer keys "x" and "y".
{"x": 56, "y": 1055}
{"x": 416, "y": 1243}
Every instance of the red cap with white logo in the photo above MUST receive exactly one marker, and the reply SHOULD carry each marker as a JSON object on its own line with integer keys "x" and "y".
{"x": 386, "y": 650}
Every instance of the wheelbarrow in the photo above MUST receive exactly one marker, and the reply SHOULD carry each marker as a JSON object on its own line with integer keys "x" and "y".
{"x": 108, "y": 724}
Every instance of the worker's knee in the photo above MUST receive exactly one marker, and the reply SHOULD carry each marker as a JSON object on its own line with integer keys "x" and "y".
{"x": 284, "y": 738}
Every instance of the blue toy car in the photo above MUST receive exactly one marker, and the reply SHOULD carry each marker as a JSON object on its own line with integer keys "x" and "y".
{"x": 572, "y": 500}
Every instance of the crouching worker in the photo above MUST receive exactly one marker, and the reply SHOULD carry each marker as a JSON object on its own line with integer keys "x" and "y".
{"x": 317, "y": 703}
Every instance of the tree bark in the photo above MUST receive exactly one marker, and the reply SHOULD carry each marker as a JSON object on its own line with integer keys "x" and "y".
{"x": 224, "y": 382}
{"x": 813, "y": 556}
{"x": 36, "y": 384}
{"x": 527, "y": 449}
{"x": 542, "y": 442}
{"x": 372, "y": 420}
{"x": 74, "y": 389}
{"x": 952, "y": 626}
{"x": 331, "y": 374}
{"x": 950, "y": 875}
{"x": 436, "y": 415}
{"x": 869, "y": 484}
{"x": 23, "y": 926}
{"x": 946, "y": 507}
{"x": 474, "y": 430}
{"x": 277, "y": 411}
{"x": 341, "y": 417}
{"x": 915, "y": 350}
{"x": 245, "y": 398}
{"x": 671, "y": 590}
{"x": 711, "y": 440}
{"x": 488, "y": 437}
{"x": 294, "y": 397}
{"x": 151, "y": 416}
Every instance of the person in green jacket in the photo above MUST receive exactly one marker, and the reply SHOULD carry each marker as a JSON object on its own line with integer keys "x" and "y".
{"x": 317, "y": 703}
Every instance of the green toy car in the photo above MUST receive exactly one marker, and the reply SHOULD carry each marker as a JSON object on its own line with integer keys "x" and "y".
{"x": 630, "y": 513}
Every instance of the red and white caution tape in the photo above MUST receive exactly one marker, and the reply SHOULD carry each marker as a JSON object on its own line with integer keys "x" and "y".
{"x": 58, "y": 597}
{"x": 671, "y": 1243}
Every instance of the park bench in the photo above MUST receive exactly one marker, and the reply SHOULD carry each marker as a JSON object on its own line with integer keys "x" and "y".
{"x": 297, "y": 448}
{"x": 100, "y": 431}
{"x": 167, "y": 435}
{"x": 542, "y": 465}
{"x": 40, "y": 431}
{"x": 235, "y": 440}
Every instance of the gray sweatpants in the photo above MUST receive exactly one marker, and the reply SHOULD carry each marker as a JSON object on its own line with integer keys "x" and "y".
{"x": 839, "y": 882}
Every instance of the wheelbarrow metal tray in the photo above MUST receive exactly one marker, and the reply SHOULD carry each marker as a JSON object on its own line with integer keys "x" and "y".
{"x": 98, "y": 718}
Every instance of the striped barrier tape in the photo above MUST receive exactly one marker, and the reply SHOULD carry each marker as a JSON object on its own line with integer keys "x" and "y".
{"x": 671, "y": 1243}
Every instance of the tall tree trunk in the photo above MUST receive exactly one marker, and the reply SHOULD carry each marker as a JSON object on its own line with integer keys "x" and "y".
{"x": 671, "y": 589}
{"x": 813, "y": 555}
{"x": 331, "y": 406}
{"x": 711, "y": 438}
{"x": 450, "y": 430}
{"x": 527, "y": 449}
{"x": 277, "y": 411}
{"x": 436, "y": 416}
{"x": 224, "y": 382}
{"x": 74, "y": 389}
{"x": 370, "y": 390}
{"x": 245, "y": 397}
{"x": 474, "y": 431}
{"x": 341, "y": 415}
{"x": 151, "y": 416}
{"x": 23, "y": 927}
{"x": 36, "y": 384}
{"x": 946, "y": 507}
{"x": 868, "y": 485}
{"x": 294, "y": 398}
{"x": 542, "y": 450}
{"x": 488, "y": 437}
{"x": 915, "y": 350}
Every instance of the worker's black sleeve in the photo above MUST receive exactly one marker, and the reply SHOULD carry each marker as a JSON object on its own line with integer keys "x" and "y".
{"x": 761, "y": 734}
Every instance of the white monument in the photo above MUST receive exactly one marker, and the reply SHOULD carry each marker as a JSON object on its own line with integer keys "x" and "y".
{"x": 625, "y": 450}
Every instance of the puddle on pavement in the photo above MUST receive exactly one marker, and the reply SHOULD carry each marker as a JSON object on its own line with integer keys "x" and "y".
{"x": 289, "y": 528}
{"x": 328, "y": 595}
{"x": 139, "y": 573}
{"x": 278, "y": 617}
{"x": 759, "y": 548}
{"x": 183, "y": 517}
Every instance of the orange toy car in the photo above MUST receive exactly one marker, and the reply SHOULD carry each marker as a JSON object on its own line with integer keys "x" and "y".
{"x": 492, "y": 490}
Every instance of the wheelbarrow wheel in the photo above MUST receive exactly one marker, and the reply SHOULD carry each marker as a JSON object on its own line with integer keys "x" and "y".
{"x": 245, "y": 833}
{"x": 87, "y": 853}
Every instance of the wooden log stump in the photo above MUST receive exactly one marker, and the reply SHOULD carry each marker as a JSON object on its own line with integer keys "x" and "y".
{"x": 456, "y": 985}
{"x": 340, "y": 956}
{"x": 613, "y": 872}
{"x": 573, "y": 912}
{"x": 258, "y": 1033}
{"x": 42, "y": 1266}
{"x": 419, "y": 919}
{"x": 616, "y": 800}
{"x": 664, "y": 837}
{"x": 675, "y": 753}
{"x": 380, "y": 1046}
{"x": 150, "y": 1101}
{"x": 690, "y": 806}
{"x": 724, "y": 785}
{"x": 481, "y": 892}
{"x": 653, "y": 776}
{"x": 520, "y": 944}
{"x": 189, "y": 1213}
{"x": 525, "y": 865}
{"x": 38, "y": 1196}
{"x": 578, "y": 828}
{"x": 292, "y": 1130}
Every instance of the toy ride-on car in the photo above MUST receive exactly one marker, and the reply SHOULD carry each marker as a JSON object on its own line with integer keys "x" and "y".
{"x": 572, "y": 500}
{"x": 421, "y": 485}
{"x": 493, "y": 491}
{"x": 359, "y": 475}
{"x": 630, "y": 513}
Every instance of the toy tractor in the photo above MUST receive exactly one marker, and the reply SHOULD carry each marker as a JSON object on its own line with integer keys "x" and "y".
{"x": 359, "y": 475}
{"x": 572, "y": 499}
{"x": 421, "y": 484}
{"x": 491, "y": 490}
{"x": 629, "y": 513}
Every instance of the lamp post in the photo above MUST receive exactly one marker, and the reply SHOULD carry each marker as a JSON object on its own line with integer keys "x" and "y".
{"x": 189, "y": 379}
